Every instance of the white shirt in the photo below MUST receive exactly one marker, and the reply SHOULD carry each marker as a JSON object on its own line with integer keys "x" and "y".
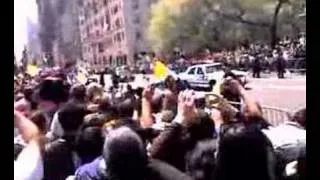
{"x": 56, "y": 129}
{"x": 29, "y": 164}
{"x": 288, "y": 133}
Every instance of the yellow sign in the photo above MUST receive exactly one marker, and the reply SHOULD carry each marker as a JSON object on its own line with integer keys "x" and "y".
{"x": 160, "y": 70}
{"x": 32, "y": 70}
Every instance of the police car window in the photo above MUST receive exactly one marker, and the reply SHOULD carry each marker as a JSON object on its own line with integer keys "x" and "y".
{"x": 191, "y": 71}
{"x": 199, "y": 71}
{"x": 212, "y": 69}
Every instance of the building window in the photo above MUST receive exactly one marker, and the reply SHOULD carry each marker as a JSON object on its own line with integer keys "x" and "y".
{"x": 95, "y": 8}
{"x": 108, "y": 21}
{"x": 119, "y": 37}
{"x": 135, "y": 4}
{"x": 102, "y": 21}
{"x": 96, "y": 22}
{"x": 118, "y": 59}
{"x": 80, "y": 3}
{"x": 138, "y": 35}
{"x": 115, "y": 9}
{"x": 117, "y": 23}
{"x": 136, "y": 20}
{"x": 122, "y": 35}
{"x": 110, "y": 60}
{"x": 97, "y": 33}
{"x": 105, "y": 2}
{"x": 100, "y": 47}
{"x": 124, "y": 59}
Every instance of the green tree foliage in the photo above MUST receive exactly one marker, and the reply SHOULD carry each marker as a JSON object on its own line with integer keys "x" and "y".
{"x": 194, "y": 25}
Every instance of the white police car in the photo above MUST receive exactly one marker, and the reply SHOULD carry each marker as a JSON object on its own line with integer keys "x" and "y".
{"x": 206, "y": 75}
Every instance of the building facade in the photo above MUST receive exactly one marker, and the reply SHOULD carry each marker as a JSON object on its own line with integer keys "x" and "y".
{"x": 59, "y": 30}
{"x": 113, "y": 31}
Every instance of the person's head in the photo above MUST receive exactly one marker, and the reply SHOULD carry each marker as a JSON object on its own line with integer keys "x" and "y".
{"x": 124, "y": 154}
{"x": 27, "y": 93}
{"x": 78, "y": 92}
{"x": 200, "y": 164}
{"x": 244, "y": 153}
{"x": 57, "y": 160}
{"x": 94, "y": 92}
{"x": 39, "y": 120}
{"x": 51, "y": 93}
{"x": 170, "y": 83}
{"x": 125, "y": 108}
{"x": 203, "y": 128}
{"x": 167, "y": 116}
{"x": 71, "y": 117}
{"x": 105, "y": 105}
{"x": 300, "y": 117}
{"x": 89, "y": 143}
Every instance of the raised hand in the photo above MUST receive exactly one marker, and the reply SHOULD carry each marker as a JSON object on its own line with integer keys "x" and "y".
{"x": 186, "y": 108}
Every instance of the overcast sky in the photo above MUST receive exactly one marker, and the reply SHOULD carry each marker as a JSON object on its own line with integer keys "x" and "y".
{"x": 23, "y": 10}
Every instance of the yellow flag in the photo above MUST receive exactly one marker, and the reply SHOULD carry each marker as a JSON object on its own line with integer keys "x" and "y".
{"x": 81, "y": 78}
{"x": 160, "y": 70}
{"x": 32, "y": 70}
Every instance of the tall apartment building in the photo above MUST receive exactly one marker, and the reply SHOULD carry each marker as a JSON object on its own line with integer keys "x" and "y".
{"x": 33, "y": 45}
{"x": 59, "y": 29}
{"x": 113, "y": 31}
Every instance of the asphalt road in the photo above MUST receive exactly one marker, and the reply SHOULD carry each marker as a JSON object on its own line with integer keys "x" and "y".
{"x": 282, "y": 93}
{"x": 287, "y": 93}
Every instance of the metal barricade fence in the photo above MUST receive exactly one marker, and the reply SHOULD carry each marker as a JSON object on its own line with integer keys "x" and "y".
{"x": 273, "y": 115}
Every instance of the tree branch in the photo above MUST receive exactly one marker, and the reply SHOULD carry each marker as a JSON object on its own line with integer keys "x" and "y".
{"x": 237, "y": 18}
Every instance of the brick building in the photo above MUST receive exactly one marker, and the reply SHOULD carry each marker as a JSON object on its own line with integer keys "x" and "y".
{"x": 113, "y": 31}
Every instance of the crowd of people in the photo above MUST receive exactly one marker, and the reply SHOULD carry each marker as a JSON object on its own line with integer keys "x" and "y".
{"x": 258, "y": 57}
{"x": 80, "y": 131}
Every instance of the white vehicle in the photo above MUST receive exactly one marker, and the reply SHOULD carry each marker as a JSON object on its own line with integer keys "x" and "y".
{"x": 206, "y": 75}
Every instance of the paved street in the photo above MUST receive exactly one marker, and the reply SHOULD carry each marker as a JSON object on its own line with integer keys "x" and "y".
{"x": 282, "y": 93}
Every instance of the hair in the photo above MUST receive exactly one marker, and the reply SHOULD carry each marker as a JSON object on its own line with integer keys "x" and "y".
{"x": 28, "y": 93}
{"x": 300, "y": 117}
{"x": 168, "y": 116}
{"x": 244, "y": 153}
{"x": 17, "y": 150}
{"x": 95, "y": 119}
{"x": 71, "y": 117}
{"x": 54, "y": 90}
{"x": 200, "y": 162}
{"x": 57, "y": 160}
{"x": 94, "y": 90}
{"x": 78, "y": 92}
{"x": 105, "y": 104}
{"x": 170, "y": 83}
{"x": 89, "y": 143}
{"x": 39, "y": 120}
{"x": 124, "y": 154}
{"x": 204, "y": 128}
{"x": 125, "y": 108}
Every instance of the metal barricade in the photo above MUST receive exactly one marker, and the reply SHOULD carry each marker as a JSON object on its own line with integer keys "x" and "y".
{"x": 273, "y": 115}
